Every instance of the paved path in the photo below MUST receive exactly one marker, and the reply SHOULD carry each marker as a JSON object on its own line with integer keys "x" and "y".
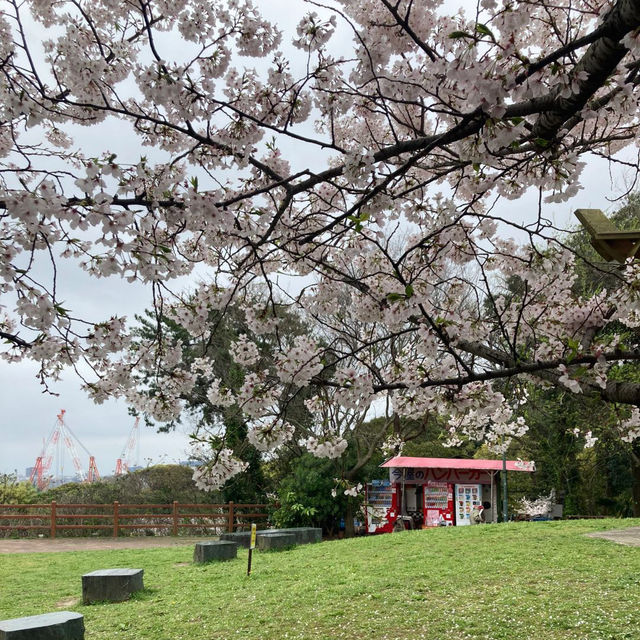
{"x": 629, "y": 537}
{"x": 46, "y": 545}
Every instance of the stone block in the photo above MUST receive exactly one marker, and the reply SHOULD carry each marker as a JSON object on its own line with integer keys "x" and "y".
{"x": 111, "y": 585}
{"x": 61, "y": 625}
{"x": 315, "y": 534}
{"x": 243, "y": 538}
{"x": 215, "y": 551}
{"x": 305, "y": 535}
{"x": 272, "y": 541}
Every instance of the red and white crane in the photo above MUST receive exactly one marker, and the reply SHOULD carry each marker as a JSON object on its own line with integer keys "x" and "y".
{"x": 126, "y": 459}
{"x": 61, "y": 436}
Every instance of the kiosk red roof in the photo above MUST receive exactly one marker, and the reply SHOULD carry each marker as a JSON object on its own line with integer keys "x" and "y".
{"x": 400, "y": 462}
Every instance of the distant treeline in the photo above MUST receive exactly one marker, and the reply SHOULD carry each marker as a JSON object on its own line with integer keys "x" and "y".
{"x": 160, "y": 484}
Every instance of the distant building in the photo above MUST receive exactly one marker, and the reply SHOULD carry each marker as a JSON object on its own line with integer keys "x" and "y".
{"x": 56, "y": 482}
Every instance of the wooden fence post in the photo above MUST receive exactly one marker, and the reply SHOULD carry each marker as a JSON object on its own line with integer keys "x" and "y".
{"x": 115, "y": 519}
{"x": 53, "y": 518}
{"x": 230, "y": 526}
{"x": 174, "y": 531}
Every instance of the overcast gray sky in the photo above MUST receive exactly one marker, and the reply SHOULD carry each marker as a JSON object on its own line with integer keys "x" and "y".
{"x": 28, "y": 414}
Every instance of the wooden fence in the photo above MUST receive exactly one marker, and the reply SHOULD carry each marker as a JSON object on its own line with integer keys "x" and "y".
{"x": 117, "y": 518}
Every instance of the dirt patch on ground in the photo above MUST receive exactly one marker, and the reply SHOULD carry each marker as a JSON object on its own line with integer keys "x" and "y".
{"x": 67, "y": 603}
{"x": 629, "y": 537}
{"x": 47, "y": 545}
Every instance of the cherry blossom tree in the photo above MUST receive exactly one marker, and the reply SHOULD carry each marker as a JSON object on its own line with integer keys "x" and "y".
{"x": 324, "y": 423}
{"x": 350, "y": 169}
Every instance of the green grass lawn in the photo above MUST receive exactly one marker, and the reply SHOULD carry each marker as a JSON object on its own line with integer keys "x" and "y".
{"x": 522, "y": 580}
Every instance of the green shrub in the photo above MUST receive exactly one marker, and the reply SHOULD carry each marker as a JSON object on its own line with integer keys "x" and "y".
{"x": 14, "y": 492}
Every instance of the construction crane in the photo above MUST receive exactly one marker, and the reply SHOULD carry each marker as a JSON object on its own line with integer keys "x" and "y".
{"x": 61, "y": 435}
{"x": 125, "y": 461}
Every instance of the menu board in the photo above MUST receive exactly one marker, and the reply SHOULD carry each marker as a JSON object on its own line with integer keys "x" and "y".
{"x": 467, "y": 496}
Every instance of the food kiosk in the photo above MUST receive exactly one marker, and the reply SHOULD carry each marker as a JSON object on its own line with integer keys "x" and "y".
{"x": 431, "y": 492}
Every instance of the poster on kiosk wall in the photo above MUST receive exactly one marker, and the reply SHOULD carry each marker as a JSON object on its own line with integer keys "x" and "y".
{"x": 467, "y": 496}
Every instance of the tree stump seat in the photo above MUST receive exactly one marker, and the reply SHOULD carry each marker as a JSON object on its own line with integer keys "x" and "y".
{"x": 111, "y": 585}
{"x": 217, "y": 550}
{"x": 60, "y": 625}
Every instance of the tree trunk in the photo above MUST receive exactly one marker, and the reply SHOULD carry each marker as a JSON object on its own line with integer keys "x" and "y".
{"x": 349, "y": 531}
{"x": 635, "y": 489}
{"x": 590, "y": 74}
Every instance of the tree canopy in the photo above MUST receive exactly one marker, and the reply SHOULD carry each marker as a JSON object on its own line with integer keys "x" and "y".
{"x": 348, "y": 171}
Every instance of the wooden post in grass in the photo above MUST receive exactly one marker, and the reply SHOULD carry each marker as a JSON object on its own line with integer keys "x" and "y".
{"x": 53, "y": 518}
{"x": 252, "y": 546}
{"x": 231, "y": 515}
{"x": 174, "y": 529}
{"x": 116, "y": 518}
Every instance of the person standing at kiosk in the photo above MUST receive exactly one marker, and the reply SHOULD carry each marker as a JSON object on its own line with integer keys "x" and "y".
{"x": 477, "y": 514}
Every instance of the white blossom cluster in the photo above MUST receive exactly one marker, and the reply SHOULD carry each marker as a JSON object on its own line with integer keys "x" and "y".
{"x": 540, "y": 507}
{"x": 221, "y": 397}
{"x": 259, "y": 321}
{"x": 482, "y": 414}
{"x": 244, "y": 352}
{"x": 301, "y": 362}
{"x": 212, "y": 476}
{"x": 346, "y": 488}
{"x": 525, "y": 465}
{"x": 324, "y": 447}
{"x": 599, "y": 372}
{"x": 589, "y": 440}
{"x": 627, "y": 299}
{"x": 203, "y": 366}
{"x": 256, "y": 396}
{"x": 108, "y": 337}
{"x": 313, "y": 32}
{"x": 358, "y": 167}
{"x": 392, "y": 446}
{"x": 354, "y": 490}
{"x": 570, "y": 383}
{"x": 630, "y": 428}
{"x": 270, "y": 436}
{"x": 356, "y": 387}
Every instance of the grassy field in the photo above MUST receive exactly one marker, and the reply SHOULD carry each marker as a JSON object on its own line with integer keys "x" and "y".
{"x": 522, "y": 580}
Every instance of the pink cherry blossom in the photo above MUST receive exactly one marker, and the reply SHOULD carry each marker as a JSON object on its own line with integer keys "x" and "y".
{"x": 347, "y": 171}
